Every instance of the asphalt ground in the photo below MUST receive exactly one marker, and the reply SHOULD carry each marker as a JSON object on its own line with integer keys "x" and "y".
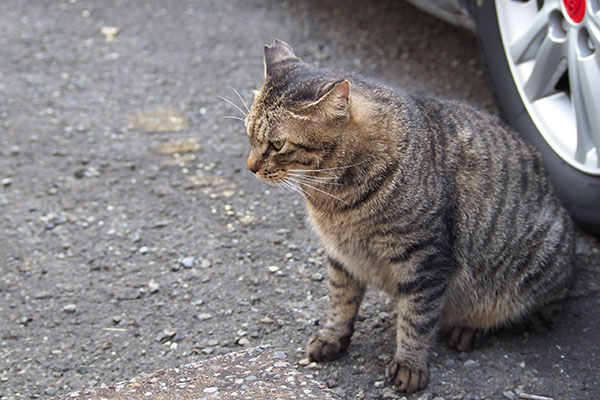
{"x": 132, "y": 238}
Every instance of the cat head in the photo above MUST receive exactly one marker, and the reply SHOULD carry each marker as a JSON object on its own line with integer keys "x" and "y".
{"x": 297, "y": 117}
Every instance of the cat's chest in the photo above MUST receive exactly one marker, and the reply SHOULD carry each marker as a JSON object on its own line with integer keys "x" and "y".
{"x": 355, "y": 247}
{"x": 341, "y": 233}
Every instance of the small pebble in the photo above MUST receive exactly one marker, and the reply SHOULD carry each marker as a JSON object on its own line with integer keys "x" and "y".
{"x": 313, "y": 365}
{"x": 317, "y": 277}
{"x": 188, "y": 262}
{"x": 470, "y": 364}
{"x": 153, "y": 286}
{"x": 304, "y": 362}
{"x": 70, "y": 308}
{"x": 449, "y": 363}
{"x": 388, "y": 393}
{"x": 273, "y": 269}
{"x": 109, "y": 32}
{"x": 159, "y": 224}
{"x": 204, "y": 316}
{"x": 509, "y": 395}
{"x": 166, "y": 335}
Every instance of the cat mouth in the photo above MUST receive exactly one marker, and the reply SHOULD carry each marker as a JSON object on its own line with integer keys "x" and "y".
{"x": 273, "y": 177}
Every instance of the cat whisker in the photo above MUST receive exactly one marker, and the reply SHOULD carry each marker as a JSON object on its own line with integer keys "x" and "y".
{"x": 314, "y": 179}
{"x": 298, "y": 189}
{"x": 285, "y": 187}
{"x": 233, "y": 117}
{"x": 235, "y": 105}
{"x": 317, "y": 189}
{"x": 292, "y": 187}
{"x": 329, "y": 169}
{"x": 314, "y": 182}
{"x": 307, "y": 175}
{"x": 242, "y": 99}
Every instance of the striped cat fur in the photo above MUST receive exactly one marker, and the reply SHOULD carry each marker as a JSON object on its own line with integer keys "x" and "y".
{"x": 435, "y": 202}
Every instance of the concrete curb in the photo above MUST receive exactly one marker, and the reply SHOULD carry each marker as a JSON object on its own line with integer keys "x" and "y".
{"x": 257, "y": 373}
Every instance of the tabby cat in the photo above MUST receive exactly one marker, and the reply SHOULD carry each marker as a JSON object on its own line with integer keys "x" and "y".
{"x": 435, "y": 202}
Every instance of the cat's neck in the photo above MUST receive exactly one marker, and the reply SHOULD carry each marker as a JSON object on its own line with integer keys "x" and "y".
{"x": 364, "y": 151}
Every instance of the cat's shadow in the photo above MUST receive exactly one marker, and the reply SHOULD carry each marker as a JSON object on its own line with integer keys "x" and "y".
{"x": 509, "y": 351}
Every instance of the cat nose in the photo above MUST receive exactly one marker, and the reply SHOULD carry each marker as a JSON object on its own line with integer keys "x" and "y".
{"x": 252, "y": 165}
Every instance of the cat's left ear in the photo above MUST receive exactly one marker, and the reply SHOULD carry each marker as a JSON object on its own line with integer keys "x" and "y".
{"x": 276, "y": 53}
{"x": 335, "y": 104}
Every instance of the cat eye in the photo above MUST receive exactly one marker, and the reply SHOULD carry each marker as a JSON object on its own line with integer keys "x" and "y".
{"x": 278, "y": 143}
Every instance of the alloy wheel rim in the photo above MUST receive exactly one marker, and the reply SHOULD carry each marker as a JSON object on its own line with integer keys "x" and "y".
{"x": 553, "y": 52}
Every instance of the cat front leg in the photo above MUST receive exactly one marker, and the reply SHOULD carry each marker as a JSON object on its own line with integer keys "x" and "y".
{"x": 345, "y": 294}
{"x": 420, "y": 302}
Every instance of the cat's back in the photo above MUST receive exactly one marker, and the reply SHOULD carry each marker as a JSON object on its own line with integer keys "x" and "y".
{"x": 509, "y": 226}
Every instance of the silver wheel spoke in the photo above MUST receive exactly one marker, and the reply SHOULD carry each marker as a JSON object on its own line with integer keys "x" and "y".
{"x": 584, "y": 76}
{"x": 593, "y": 26}
{"x": 550, "y": 64}
{"x": 526, "y": 46}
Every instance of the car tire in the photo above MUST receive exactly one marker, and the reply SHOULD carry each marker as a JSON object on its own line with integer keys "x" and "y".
{"x": 579, "y": 191}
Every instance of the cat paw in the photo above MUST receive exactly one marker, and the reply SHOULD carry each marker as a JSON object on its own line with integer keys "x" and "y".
{"x": 326, "y": 345}
{"x": 406, "y": 378}
{"x": 464, "y": 339}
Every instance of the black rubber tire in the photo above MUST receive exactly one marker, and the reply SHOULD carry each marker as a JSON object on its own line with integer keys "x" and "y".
{"x": 580, "y": 192}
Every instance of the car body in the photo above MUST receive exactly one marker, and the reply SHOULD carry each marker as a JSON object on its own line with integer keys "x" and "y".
{"x": 455, "y": 12}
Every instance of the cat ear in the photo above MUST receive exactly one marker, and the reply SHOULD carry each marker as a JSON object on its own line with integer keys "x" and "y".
{"x": 276, "y": 53}
{"x": 335, "y": 104}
